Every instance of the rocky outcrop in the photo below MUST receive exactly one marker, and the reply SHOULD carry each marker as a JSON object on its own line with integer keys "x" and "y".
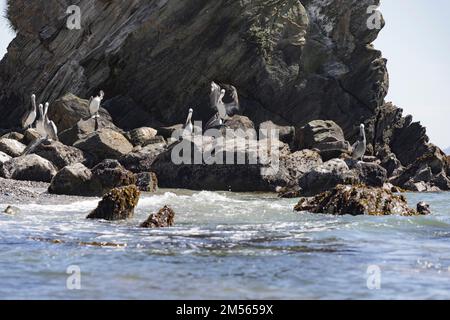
{"x": 292, "y": 63}
{"x": 28, "y": 168}
{"x": 110, "y": 174}
{"x": 119, "y": 204}
{"x": 147, "y": 181}
{"x": 105, "y": 144}
{"x": 164, "y": 218}
{"x": 358, "y": 200}
{"x": 12, "y": 147}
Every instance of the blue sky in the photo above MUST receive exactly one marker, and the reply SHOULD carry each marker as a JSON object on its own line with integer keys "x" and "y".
{"x": 416, "y": 41}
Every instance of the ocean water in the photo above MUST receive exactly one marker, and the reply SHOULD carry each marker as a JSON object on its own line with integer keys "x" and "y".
{"x": 225, "y": 246}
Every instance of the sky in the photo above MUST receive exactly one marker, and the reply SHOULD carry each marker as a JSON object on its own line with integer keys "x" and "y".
{"x": 416, "y": 42}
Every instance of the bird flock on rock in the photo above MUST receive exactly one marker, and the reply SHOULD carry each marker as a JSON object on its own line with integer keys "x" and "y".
{"x": 47, "y": 128}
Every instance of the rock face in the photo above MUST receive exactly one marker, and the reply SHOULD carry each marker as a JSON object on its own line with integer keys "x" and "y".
{"x": 163, "y": 219}
{"x": 151, "y": 57}
{"x": 11, "y": 147}
{"x": 105, "y": 144}
{"x": 119, "y": 204}
{"x": 358, "y": 200}
{"x": 28, "y": 168}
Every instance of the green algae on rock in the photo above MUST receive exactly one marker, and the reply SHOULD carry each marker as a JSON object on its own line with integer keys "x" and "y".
{"x": 119, "y": 204}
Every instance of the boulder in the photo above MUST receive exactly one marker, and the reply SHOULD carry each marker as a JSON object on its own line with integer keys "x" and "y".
{"x": 371, "y": 174}
{"x": 29, "y": 168}
{"x": 357, "y": 200}
{"x": 169, "y": 132}
{"x": 75, "y": 180}
{"x": 4, "y": 158}
{"x": 147, "y": 182}
{"x": 111, "y": 174}
{"x": 300, "y": 162}
{"x": 105, "y": 144}
{"x": 12, "y": 211}
{"x": 286, "y": 133}
{"x": 118, "y": 204}
{"x": 12, "y": 147}
{"x": 423, "y": 208}
{"x": 30, "y": 136}
{"x": 142, "y": 160}
{"x": 211, "y": 164}
{"x": 141, "y": 136}
{"x": 238, "y": 122}
{"x": 70, "y": 109}
{"x": 14, "y": 136}
{"x": 59, "y": 154}
{"x": 325, "y": 177}
{"x": 83, "y": 128}
{"x": 326, "y": 136}
{"x": 163, "y": 219}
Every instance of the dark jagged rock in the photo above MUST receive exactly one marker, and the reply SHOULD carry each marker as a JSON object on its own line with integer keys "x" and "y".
{"x": 12, "y": 147}
{"x": 59, "y": 154}
{"x": 119, "y": 204}
{"x": 76, "y": 180}
{"x": 28, "y": 168}
{"x": 111, "y": 174}
{"x": 423, "y": 208}
{"x": 163, "y": 219}
{"x": 147, "y": 181}
{"x": 292, "y": 63}
{"x": 105, "y": 144}
{"x": 357, "y": 200}
{"x": 142, "y": 160}
{"x": 286, "y": 133}
{"x": 371, "y": 174}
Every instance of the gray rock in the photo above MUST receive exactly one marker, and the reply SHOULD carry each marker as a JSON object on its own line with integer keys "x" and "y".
{"x": 59, "y": 154}
{"x": 141, "y": 136}
{"x": 29, "y": 168}
{"x": 83, "y": 128}
{"x": 12, "y": 147}
{"x": 142, "y": 160}
{"x": 105, "y": 144}
{"x": 75, "y": 180}
{"x": 30, "y": 136}
{"x": 15, "y": 136}
{"x": 325, "y": 177}
{"x": 111, "y": 174}
{"x": 371, "y": 174}
{"x": 286, "y": 133}
{"x": 4, "y": 157}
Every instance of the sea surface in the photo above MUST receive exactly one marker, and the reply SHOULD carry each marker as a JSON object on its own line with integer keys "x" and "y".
{"x": 224, "y": 246}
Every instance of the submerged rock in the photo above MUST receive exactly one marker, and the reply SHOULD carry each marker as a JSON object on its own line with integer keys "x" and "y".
{"x": 357, "y": 200}
{"x": 12, "y": 147}
{"x": 29, "y": 168}
{"x": 163, "y": 219}
{"x": 118, "y": 204}
{"x": 10, "y": 210}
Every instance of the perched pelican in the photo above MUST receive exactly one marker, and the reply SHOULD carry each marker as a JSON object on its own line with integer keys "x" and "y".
{"x": 40, "y": 121}
{"x": 360, "y": 147}
{"x": 94, "y": 104}
{"x": 188, "y": 128}
{"x": 216, "y": 96}
{"x": 30, "y": 117}
{"x": 51, "y": 131}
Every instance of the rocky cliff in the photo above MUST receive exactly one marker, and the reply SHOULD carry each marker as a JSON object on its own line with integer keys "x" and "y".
{"x": 292, "y": 61}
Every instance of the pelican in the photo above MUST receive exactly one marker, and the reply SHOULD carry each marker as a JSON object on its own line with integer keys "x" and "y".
{"x": 40, "y": 121}
{"x": 94, "y": 104}
{"x": 217, "y": 95}
{"x": 233, "y": 107}
{"x": 188, "y": 128}
{"x": 360, "y": 146}
{"x": 51, "y": 131}
{"x": 30, "y": 117}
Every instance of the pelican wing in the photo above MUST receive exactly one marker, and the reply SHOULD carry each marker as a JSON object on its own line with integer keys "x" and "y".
{"x": 215, "y": 94}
